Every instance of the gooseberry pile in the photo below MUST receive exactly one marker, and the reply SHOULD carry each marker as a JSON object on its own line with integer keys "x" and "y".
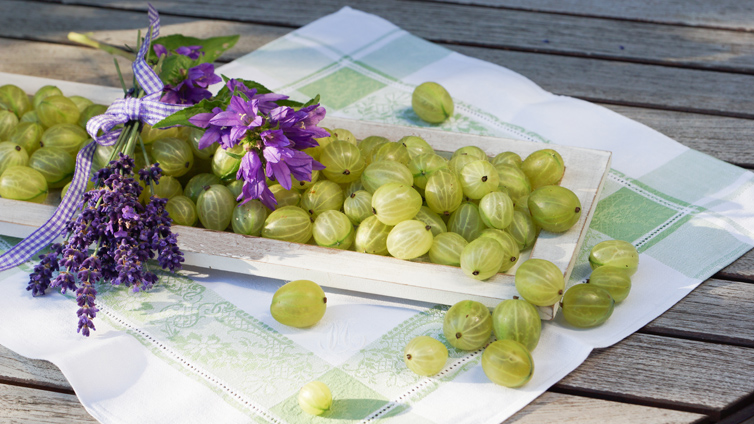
{"x": 516, "y": 324}
{"x": 40, "y": 136}
{"x": 378, "y": 196}
{"x": 398, "y": 198}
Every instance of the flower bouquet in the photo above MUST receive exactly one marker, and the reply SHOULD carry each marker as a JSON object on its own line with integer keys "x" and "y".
{"x": 114, "y": 231}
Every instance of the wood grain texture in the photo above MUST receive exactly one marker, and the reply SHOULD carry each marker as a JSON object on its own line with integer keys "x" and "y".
{"x": 591, "y": 79}
{"x": 731, "y": 14}
{"x": 727, "y": 139}
{"x": 52, "y": 23}
{"x": 24, "y": 405}
{"x": 561, "y": 408}
{"x": 660, "y": 371}
{"x": 630, "y": 84}
{"x": 17, "y": 369}
{"x": 716, "y": 311}
{"x": 510, "y": 29}
{"x": 547, "y": 408}
{"x": 742, "y": 269}
{"x": 61, "y": 62}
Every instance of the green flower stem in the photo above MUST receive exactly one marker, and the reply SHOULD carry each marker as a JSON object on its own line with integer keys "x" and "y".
{"x": 146, "y": 160}
{"x": 88, "y": 41}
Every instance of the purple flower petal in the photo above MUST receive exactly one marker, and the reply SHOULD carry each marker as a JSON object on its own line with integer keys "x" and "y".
{"x": 202, "y": 119}
{"x": 193, "y": 52}
{"x": 237, "y": 133}
{"x": 212, "y": 135}
{"x": 280, "y": 171}
{"x": 226, "y": 119}
{"x": 160, "y": 50}
{"x": 275, "y": 138}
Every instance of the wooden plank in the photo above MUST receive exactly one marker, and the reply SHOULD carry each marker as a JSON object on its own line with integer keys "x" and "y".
{"x": 727, "y": 139}
{"x": 632, "y": 84}
{"x": 592, "y": 79}
{"x": 741, "y": 270}
{"x": 510, "y": 29}
{"x": 61, "y": 62}
{"x": 17, "y": 369}
{"x": 25, "y": 405}
{"x": 561, "y": 408}
{"x": 52, "y": 23}
{"x": 659, "y": 371}
{"x": 730, "y": 14}
{"x": 596, "y": 80}
{"x": 717, "y": 311}
{"x": 546, "y": 408}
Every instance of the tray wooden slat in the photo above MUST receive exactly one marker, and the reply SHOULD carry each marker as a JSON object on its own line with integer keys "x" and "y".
{"x": 585, "y": 173}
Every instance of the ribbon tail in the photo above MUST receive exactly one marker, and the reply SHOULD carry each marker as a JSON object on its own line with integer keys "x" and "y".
{"x": 154, "y": 20}
{"x": 51, "y": 229}
{"x": 145, "y": 75}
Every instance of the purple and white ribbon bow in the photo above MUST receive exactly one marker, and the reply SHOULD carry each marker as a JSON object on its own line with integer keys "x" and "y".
{"x": 146, "y": 109}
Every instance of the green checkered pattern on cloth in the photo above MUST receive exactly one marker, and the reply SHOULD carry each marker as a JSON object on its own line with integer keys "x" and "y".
{"x": 685, "y": 212}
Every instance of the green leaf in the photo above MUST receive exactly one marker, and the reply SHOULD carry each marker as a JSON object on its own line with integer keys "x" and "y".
{"x": 182, "y": 116}
{"x": 313, "y": 101}
{"x": 224, "y": 93}
{"x": 174, "y": 68}
{"x": 234, "y": 155}
{"x": 212, "y": 47}
{"x": 290, "y": 103}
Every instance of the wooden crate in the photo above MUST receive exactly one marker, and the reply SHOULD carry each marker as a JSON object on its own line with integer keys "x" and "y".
{"x": 585, "y": 173}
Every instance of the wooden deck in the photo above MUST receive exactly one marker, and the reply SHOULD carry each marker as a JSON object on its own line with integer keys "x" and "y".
{"x": 683, "y": 67}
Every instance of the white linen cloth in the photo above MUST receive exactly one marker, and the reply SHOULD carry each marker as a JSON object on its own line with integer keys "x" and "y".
{"x": 203, "y": 347}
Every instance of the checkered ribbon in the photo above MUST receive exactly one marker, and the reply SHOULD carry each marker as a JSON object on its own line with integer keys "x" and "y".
{"x": 146, "y": 109}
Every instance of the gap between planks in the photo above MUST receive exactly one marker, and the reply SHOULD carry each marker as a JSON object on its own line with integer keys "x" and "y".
{"x": 671, "y": 373}
{"x": 48, "y": 407}
{"x": 593, "y": 37}
{"x": 644, "y": 86}
{"x": 617, "y": 83}
{"x": 717, "y": 311}
{"x": 732, "y": 15}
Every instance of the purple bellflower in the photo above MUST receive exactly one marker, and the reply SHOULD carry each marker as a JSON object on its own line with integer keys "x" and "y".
{"x": 241, "y": 117}
{"x": 193, "y": 89}
{"x": 273, "y": 137}
{"x": 192, "y": 52}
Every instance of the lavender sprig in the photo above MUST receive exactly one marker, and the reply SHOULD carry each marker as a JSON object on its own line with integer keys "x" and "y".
{"x": 111, "y": 240}
{"x": 113, "y": 237}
